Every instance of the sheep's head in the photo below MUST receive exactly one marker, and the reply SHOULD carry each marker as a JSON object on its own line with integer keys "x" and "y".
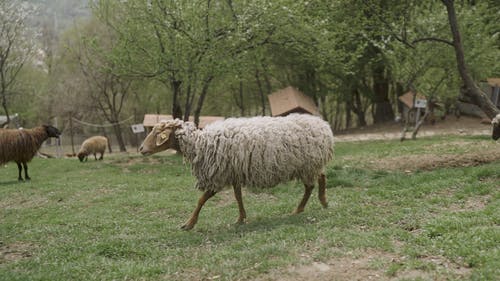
{"x": 51, "y": 131}
{"x": 81, "y": 156}
{"x": 496, "y": 127}
{"x": 161, "y": 138}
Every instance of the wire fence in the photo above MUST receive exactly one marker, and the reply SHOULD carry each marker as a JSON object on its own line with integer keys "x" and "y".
{"x": 69, "y": 142}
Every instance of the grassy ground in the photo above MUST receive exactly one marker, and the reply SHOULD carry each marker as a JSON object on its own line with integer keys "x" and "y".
{"x": 119, "y": 219}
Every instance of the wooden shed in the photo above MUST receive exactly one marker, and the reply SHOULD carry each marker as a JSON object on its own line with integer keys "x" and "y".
{"x": 290, "y": 100}
{"x": 152, "y": 119}
{"x": 408, "y": 98}
{"x": 408, "y": 101}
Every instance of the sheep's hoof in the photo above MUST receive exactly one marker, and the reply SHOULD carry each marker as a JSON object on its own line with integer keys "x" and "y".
{"x": 298, "y": 211}
{"x": 241, "y": 221}
{"x": 187, "y": 227}
{"x": 20, "y": 179}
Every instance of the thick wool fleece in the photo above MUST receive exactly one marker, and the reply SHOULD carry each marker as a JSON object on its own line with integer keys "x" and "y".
{"x": 93, "y": 145}
{"x": 20, "y": 145}
{"x": 257, "y": 151}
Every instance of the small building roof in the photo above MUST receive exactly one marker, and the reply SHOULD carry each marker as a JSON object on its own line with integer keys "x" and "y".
{"x": 289, "y": 100}
{"x": 494, "y": 82}
{"x": 407, "y": 99}
{"x": 152, "y": 119}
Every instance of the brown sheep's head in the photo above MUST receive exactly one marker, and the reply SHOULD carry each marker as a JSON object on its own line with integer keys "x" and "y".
{"x": 161, "y": 137}
{"x": 81, "y": 156}
{"x": 496, "y": 127}
{"x": 51, "y": 131}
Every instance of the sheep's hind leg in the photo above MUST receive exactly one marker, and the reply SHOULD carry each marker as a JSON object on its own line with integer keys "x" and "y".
{"x": 307, "y": 193}
{"x": 239, "y": 199}
{"x": 322, "y": 190}
{"x": 26, "y": 177}
{"x": 194, "y": 217}
{"x": 20, "y": 168}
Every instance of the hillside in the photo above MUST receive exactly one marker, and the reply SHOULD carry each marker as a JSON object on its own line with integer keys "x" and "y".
{"x": 60, "y": 14}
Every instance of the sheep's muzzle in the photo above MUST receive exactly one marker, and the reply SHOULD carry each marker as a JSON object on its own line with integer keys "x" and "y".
{"x": 144, "y": 152}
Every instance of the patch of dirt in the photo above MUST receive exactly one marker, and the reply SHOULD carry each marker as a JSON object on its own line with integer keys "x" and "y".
{"x": 344, "y": 268}
{"x": 16, "y": 251}
{"x": 467, "y": 126}
{"x": 372, "y": 265}
{"x": 470, "y": 204}
{"x": 135, "y": 160}
{"x": 428, "y": 162}
{"x": 18, "y": 201}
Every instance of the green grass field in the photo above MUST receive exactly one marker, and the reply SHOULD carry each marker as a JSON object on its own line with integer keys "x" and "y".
{"x": 397, "y": 211}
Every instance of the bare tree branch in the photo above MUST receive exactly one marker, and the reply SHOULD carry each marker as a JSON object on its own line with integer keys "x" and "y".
{"x": 432, "y": 39}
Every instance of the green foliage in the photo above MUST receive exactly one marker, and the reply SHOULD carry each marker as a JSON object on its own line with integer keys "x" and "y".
{"x": 331, "y": 50}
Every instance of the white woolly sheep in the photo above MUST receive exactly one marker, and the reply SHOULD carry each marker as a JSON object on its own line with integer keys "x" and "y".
{"x": 256, "y": 152}
{"x": 496, "y": 127}
{"x": 21, "y": 145}
{"x": 93, "y": 145}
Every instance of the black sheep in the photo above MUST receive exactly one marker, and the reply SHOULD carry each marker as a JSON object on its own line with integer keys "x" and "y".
{"x": 21, "y": 145}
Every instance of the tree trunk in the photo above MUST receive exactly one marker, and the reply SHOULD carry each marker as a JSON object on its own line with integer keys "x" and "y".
{"x": 338, "y": 117}
{"x": 470, "y": 88}
{"x": 383, "y": 108}
{"x": 240, "y": 94}
{"x": 322, "y": 104}
{"x": 5, "y": 109}
{"x": 348, "y": 110}
{"x": 201, "y": 100}
{"x": 261, "y": 92}
{"x": 119, "y": 137}
{"x": 6, "y": 123}
{"x": 104, "y": 134}
{"x": 176, "y": 106}
{"x": 399, "y": 92}
{"x": 358, "y": 109}
{"x": 266, "y": 79}
{"x": 71, "y": 133}
{"x": 239, "y": 99}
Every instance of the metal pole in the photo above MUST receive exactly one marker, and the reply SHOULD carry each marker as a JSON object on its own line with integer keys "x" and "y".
{"x": 136, "y": 135}
{"x": 417, "y": 116}
{"x": 71, "y": 132}
{"x": 58, "y": 141}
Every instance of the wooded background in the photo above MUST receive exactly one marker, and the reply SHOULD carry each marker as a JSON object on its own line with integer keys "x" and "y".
{"x": 111, "y": 62}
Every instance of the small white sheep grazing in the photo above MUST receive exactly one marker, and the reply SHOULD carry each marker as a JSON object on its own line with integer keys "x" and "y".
{"x": 496, "y": 127}
{"x": 93, "y": 145}
{"x": 257, "y": 152}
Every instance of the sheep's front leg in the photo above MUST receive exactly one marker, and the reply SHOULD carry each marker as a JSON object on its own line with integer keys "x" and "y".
{"x": 307, "y": 193}
{"x": 239, "y": 199}
{"x": 20, "y": 168}
{"x": 322, "y": 190}
{"x": 194, "y": 217}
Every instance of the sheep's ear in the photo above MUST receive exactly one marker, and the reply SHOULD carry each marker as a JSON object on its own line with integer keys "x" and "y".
{"x": 162, "y": 137}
